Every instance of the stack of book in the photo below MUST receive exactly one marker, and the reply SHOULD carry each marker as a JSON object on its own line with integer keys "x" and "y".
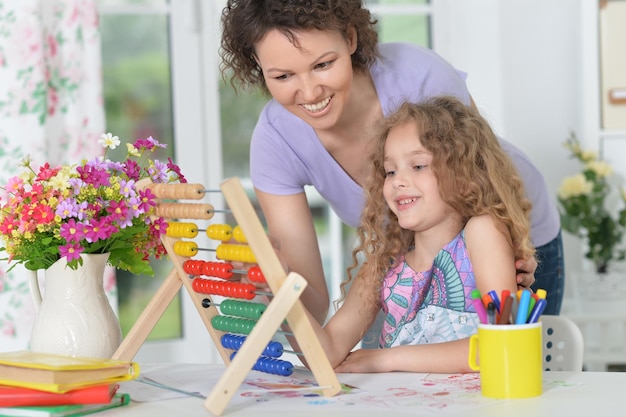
{"x": 49, "y": 385}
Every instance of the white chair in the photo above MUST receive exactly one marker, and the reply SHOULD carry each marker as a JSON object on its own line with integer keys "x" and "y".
{"x": 563, "y": 344}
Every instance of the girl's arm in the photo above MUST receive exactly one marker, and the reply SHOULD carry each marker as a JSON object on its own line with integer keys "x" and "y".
{"x": 447, "y": 357}
{"x": 290, "y": 224}
{"x": 346, "y": 327}
{"x": 492, "y": 255}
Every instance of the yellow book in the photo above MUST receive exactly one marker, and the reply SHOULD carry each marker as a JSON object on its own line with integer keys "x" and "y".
{"x": 58, "y": 373}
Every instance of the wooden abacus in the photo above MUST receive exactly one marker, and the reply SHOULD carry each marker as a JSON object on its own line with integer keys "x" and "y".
{"x": 284, "y": 305}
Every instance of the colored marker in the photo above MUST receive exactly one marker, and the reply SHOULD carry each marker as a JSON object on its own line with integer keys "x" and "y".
{"x": 479, "y": 306}
{"x": 541, "y": 293}
{"x": 514, "y": 309}
{"x": 487, "y": 299}
{"x": 505, "y": 314}
{"x": 496, "y": 300}
{"x": 531, "y": 304}
{"x": 505, "y": 295}
{"x": 522, "y": 307}
{"x": 491, "y": 313}
{"x": 539, "y": 307}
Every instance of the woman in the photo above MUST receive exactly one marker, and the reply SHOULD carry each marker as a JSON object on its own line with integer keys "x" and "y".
{"x": 330, "y": 83}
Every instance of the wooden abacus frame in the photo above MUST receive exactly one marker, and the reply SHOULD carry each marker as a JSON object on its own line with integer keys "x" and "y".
{"x": 285, "y": 304}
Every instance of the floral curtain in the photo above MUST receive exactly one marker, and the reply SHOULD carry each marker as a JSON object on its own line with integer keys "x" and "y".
{"x": 51, "y": 109}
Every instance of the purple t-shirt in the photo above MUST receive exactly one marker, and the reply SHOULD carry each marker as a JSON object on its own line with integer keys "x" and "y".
{"x": 286, "y": 154}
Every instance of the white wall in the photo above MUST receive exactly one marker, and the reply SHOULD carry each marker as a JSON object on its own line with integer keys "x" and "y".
{"x": 525, "y": 60}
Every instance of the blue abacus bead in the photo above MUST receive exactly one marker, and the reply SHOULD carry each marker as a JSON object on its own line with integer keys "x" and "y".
{"x": 232, "y": 341}
{"x": 273, "y": 349}
{"x": 286, "y": 368}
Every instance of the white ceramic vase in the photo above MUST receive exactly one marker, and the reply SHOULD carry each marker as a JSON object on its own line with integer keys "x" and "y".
{"x": 74, "y": 316}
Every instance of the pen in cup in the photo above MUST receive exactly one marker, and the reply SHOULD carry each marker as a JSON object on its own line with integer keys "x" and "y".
{"x": 505, "y": 314}
{"x": 479, "y": 306}
{"x": 522, "y": 307}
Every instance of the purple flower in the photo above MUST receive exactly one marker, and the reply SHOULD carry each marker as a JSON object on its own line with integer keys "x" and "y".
{"x": 158, "y": 172}
{"x": 127, "y": 188}
{"x": 67, "y": 208}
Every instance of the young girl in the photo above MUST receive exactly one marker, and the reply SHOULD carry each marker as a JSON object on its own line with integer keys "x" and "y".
{"x": 445, "y": 213}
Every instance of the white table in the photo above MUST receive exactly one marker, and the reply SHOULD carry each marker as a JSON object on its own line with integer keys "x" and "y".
{"x": 565, "y": 394}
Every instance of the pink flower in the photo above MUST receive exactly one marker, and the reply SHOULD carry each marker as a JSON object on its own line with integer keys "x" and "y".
{"x": 71, "y": 251}
{"x": 98, "y": 229}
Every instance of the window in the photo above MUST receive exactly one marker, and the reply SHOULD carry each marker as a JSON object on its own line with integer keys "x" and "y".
{"x": 161, "y": 78}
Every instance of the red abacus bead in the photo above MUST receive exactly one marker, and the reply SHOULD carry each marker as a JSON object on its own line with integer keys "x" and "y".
{"x": 226, "y": 270}
{"x": 256, "y": 275}
{"x": 187, "y": 267}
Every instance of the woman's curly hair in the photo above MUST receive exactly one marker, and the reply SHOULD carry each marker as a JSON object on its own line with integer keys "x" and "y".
{"x": 245, "y": 22}
{"x": 474, "y": 174}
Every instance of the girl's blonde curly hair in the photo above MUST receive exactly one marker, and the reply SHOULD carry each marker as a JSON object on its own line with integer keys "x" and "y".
{"x": 474, "y": 174}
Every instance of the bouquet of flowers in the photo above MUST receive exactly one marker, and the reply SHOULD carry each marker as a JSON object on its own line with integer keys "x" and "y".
{"x": 93, "y": 207}
{"x": 584, "y": 212}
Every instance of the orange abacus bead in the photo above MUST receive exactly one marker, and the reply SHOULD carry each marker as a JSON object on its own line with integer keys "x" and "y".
{"x": 184, "y": 248}
{"x": 179, "y": 229}
{"x": 221, "y": 232}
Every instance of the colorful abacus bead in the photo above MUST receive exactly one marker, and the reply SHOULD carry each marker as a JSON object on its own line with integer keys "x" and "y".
{"x": 232, "y": 341}
{"x": 182, "y": 230}
{"x": 221, "y": 232}
{"x": 242, "y": 309}
{"x": 232, "y": 252}
{"x": 222, "y": 270}
{"x": 271, "y": 365}
{"x": 256, "y": 275}
{"x": 225, "y": 289}
{"x": 193, "y": 267}
{"x": 233, "y": 324}
{"x": 238, "y": 235}
{"x": 185, "y": 248}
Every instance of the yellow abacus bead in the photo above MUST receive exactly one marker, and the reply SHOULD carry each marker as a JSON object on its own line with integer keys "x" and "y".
{"x": 234, "y": 252}
{"x": 184, "y": 248}
{"x": 179, "y": 229}
{"x": 247, "y": 255}
{"x": 221, "y": 232}
{"x": 238, "y": 235}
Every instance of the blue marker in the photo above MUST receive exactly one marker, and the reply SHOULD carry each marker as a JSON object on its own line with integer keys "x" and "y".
{"x": 495, "y": 299}
{"x": 540, "y": 305}
{"x": 522, "y": 307}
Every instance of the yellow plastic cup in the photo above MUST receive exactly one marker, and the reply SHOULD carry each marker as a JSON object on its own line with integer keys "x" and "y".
{"x": 509, "y": 358}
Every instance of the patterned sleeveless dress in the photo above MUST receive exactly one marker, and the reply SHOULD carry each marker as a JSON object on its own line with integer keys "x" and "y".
{"x": 431, "y": 306}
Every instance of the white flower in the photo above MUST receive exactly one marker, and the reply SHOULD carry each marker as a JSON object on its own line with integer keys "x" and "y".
{"x": 601, "y": 168}
{"x": 574, "y": 186}
{"x": 107, "y": 140}
{"x": 26, "y": 161}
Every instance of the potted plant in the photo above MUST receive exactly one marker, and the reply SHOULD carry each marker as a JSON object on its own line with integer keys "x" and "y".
{"x": 591, "y": 209}
{"x": 71, "y": 220}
